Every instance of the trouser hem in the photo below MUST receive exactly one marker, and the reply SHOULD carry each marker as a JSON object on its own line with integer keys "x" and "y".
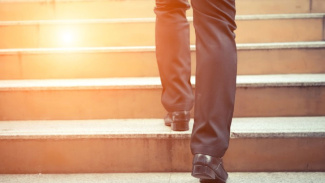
{"x": 214, "y": 151}
{"x": 179, "y": 107}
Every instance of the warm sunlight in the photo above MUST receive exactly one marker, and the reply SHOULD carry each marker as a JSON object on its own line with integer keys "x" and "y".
{"x": 67, "y": 36}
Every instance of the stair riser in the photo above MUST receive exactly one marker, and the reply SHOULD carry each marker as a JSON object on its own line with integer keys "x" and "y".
{"x": 142, "y": 34}
{"x": 145, "y": 103}
{"x": 139, "y": 8}
{"x": 91, "y": 155}
{"x": 143, "y": 64}
{"x": 318, "y": 6}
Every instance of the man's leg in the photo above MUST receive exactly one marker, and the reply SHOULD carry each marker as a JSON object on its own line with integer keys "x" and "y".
{"x": 214, "y": 22}
{"x": 173, "y": 54}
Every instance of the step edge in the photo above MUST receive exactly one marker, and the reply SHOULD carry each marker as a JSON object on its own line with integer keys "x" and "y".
{"x": 152, "y": 19}
{"x": 281, "y": 45}
{"x": 280, "y": 16}
{"x": 280, "y": 80}
{"x": 132, "y": 49}
{"x": 164, "y": 177}
{"x": 78, "y": 50}
{"x": 320, "y": 135}
{"x": 265, "y": 127}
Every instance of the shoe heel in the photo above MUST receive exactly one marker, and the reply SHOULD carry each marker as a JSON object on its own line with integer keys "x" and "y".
{"x": 203, "y": 172}
{"x": 180, "y": 126}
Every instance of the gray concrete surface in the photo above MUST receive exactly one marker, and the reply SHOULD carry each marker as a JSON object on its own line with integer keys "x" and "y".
{"x": 314, "y": 177}
{"x": 154, "y": 82}
{"x": 258, "y": 127}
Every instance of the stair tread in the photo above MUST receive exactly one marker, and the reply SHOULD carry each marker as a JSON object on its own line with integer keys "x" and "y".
{"x": 285, "y": 28}
{"x": 258, "y": 127}
{"x": 240, "y": 46}
{"x": 152, "y": 19}
{"x": 243, "y": 177}
{"x": 154, "y": 82}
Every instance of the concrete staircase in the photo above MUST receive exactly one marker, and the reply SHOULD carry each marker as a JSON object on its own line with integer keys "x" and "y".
{"x": 80, "y": 92}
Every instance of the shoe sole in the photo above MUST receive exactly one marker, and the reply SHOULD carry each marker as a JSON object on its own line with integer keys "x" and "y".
{"x": 210, "y": 181}
{"x": 179, "y": 126}
{"x": 167, "y": 124}
{"x": 206, "y": 174}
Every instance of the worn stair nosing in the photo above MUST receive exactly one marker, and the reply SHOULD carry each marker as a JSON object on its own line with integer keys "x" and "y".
{"x": 281, "y": 80}
{"x": 280, "y": 16}
{"x": 258, "y": 127}
{"x": 151, "y": 20}
{"x": 170, "y": 177}
{"x": 240, "y": 46}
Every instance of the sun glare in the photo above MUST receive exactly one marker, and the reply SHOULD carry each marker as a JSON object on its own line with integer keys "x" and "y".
{"x": 67, "y": 37}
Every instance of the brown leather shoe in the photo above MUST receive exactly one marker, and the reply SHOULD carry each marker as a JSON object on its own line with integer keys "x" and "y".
{"x": 209, "y": 169}
{"x": 178, "y": 120}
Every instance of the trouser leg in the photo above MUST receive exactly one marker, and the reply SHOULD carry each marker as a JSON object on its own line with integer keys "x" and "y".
{"x": 215, "y": 75}
{"x": 173, "y": 54}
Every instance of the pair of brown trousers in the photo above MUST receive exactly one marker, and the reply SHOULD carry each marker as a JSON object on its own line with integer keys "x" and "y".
{"x": 216, "y": 67}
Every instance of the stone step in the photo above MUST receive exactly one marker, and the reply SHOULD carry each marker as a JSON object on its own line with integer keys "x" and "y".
{"x": 257, "y": 95}
{"x": 116, "y": 32}
{"x": 103, "y": 62}
{"x": 234, "y": 177}
{"x": 146, "y": 145}
{"x": 84, "y": 9}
